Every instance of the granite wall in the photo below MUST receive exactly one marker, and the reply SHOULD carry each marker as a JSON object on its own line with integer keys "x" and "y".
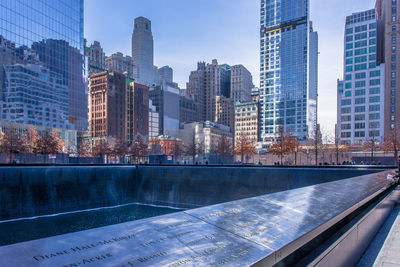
{"x": 27, "y": 191}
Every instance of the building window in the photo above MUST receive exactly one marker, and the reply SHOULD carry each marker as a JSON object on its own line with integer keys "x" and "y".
{"x": 359, "y": 134}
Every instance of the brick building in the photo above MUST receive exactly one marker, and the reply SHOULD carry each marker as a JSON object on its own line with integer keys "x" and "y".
{"x": 118, "y": 107}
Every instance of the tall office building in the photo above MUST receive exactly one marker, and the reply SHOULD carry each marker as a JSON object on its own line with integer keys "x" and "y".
{"x": 288, "y": 69}
{"x": 205, "y": 84}
{"x": 241, "y": 84}
{"x": 118, "y": 107}
{"x": 225, "y": 112}
{"x": 107, "y": 109}
{"x": 246, "y": 121}
{"x": 96, "y": 58}
{"x": 166, "y": 74}
{"x": 153, "y": 121}
{"x": 389, "y": 20}
{"x": 165, "y": 98}
{"x": 42, "y": 31}
{"x": 142, "y": 50}
{"x": 122, "y": 64}
{"x": 361, "y": 105}
{"x": 188, "y": 110}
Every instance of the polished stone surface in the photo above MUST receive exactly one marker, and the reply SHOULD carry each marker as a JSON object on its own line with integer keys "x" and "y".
{"x": 237, "y": 233}
{"x": 28, "y": 191}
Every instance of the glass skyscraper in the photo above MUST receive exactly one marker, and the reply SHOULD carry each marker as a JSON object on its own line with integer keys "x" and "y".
{"x": 288, "y": 69}
{"x": 41, "y": 51}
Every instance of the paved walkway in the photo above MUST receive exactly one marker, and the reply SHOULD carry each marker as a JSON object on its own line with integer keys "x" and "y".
{"x": 385, "y": 248}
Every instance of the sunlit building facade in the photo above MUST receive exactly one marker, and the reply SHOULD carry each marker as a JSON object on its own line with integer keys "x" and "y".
{"x": 361, "y": 106}
{"x": 288, "y": 69}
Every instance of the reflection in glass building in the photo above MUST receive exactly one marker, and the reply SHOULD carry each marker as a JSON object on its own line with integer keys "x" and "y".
{"x": 288, "y": 69}
{"x": 41, "y": 63}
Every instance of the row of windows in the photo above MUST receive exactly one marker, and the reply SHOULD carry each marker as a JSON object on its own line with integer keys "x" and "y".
{"x": 360, "y": 117}
{"x": 359, "y": 134}
{"x": 361, "y": 100}
{"x": 358, "y": 67}
{"x": 372, "y": 108}
{"x": 361, "y": 28}
{"x": 361, "y": 125}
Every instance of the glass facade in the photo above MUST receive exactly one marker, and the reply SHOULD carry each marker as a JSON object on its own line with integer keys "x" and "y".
{"x": 44, "y": 38}
{"x": 288, "y": 69}
{"x": 361, "y": 97}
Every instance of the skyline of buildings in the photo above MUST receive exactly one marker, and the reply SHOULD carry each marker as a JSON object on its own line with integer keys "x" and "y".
{"x": 287, "y": 95}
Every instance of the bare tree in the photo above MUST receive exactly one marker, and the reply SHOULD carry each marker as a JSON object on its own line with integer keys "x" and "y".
{"x": 138, "y": 149}
{"x": 31, "y": 139}
{"x": 12, "y": 142}
{"x": 49, "y": 143}
{"x": 102, "y": 149}
{"x": 193, "y": 147}
{"x": 337, "y": 146}
{"x": 392, "y": 144}
{"x": 294, "y": 147}
{"x": 119, "y": 149}
{"x": 284, "y": 144}
{"x": 177, "y": 150}
{"x": 223, "y": 148}
{"x": 371, "y": 145}
{"x": 83, "y": 148}
{"x": 244, "y": 147}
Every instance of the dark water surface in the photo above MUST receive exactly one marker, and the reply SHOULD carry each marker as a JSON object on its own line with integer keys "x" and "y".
{"x": 14, "y": 231}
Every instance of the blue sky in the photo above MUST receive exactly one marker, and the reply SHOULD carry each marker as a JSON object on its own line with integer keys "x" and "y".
{"x": 188, "y": 31}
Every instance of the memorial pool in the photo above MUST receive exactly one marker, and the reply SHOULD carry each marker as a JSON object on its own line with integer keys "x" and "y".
{"x": 44, "y": 207}
{"x": 20, "y": 230}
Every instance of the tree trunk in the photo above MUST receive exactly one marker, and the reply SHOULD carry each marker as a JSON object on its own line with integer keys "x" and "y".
{"x": 372, "y": 155}
{"x": 337, "y": 156}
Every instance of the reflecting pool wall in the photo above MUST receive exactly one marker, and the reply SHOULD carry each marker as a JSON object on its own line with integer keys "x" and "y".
{"x": 32, "y": 191}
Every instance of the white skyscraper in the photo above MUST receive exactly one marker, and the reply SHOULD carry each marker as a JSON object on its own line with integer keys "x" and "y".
{"x": 361, "y": 94}
{"x": 142, "y": 50}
